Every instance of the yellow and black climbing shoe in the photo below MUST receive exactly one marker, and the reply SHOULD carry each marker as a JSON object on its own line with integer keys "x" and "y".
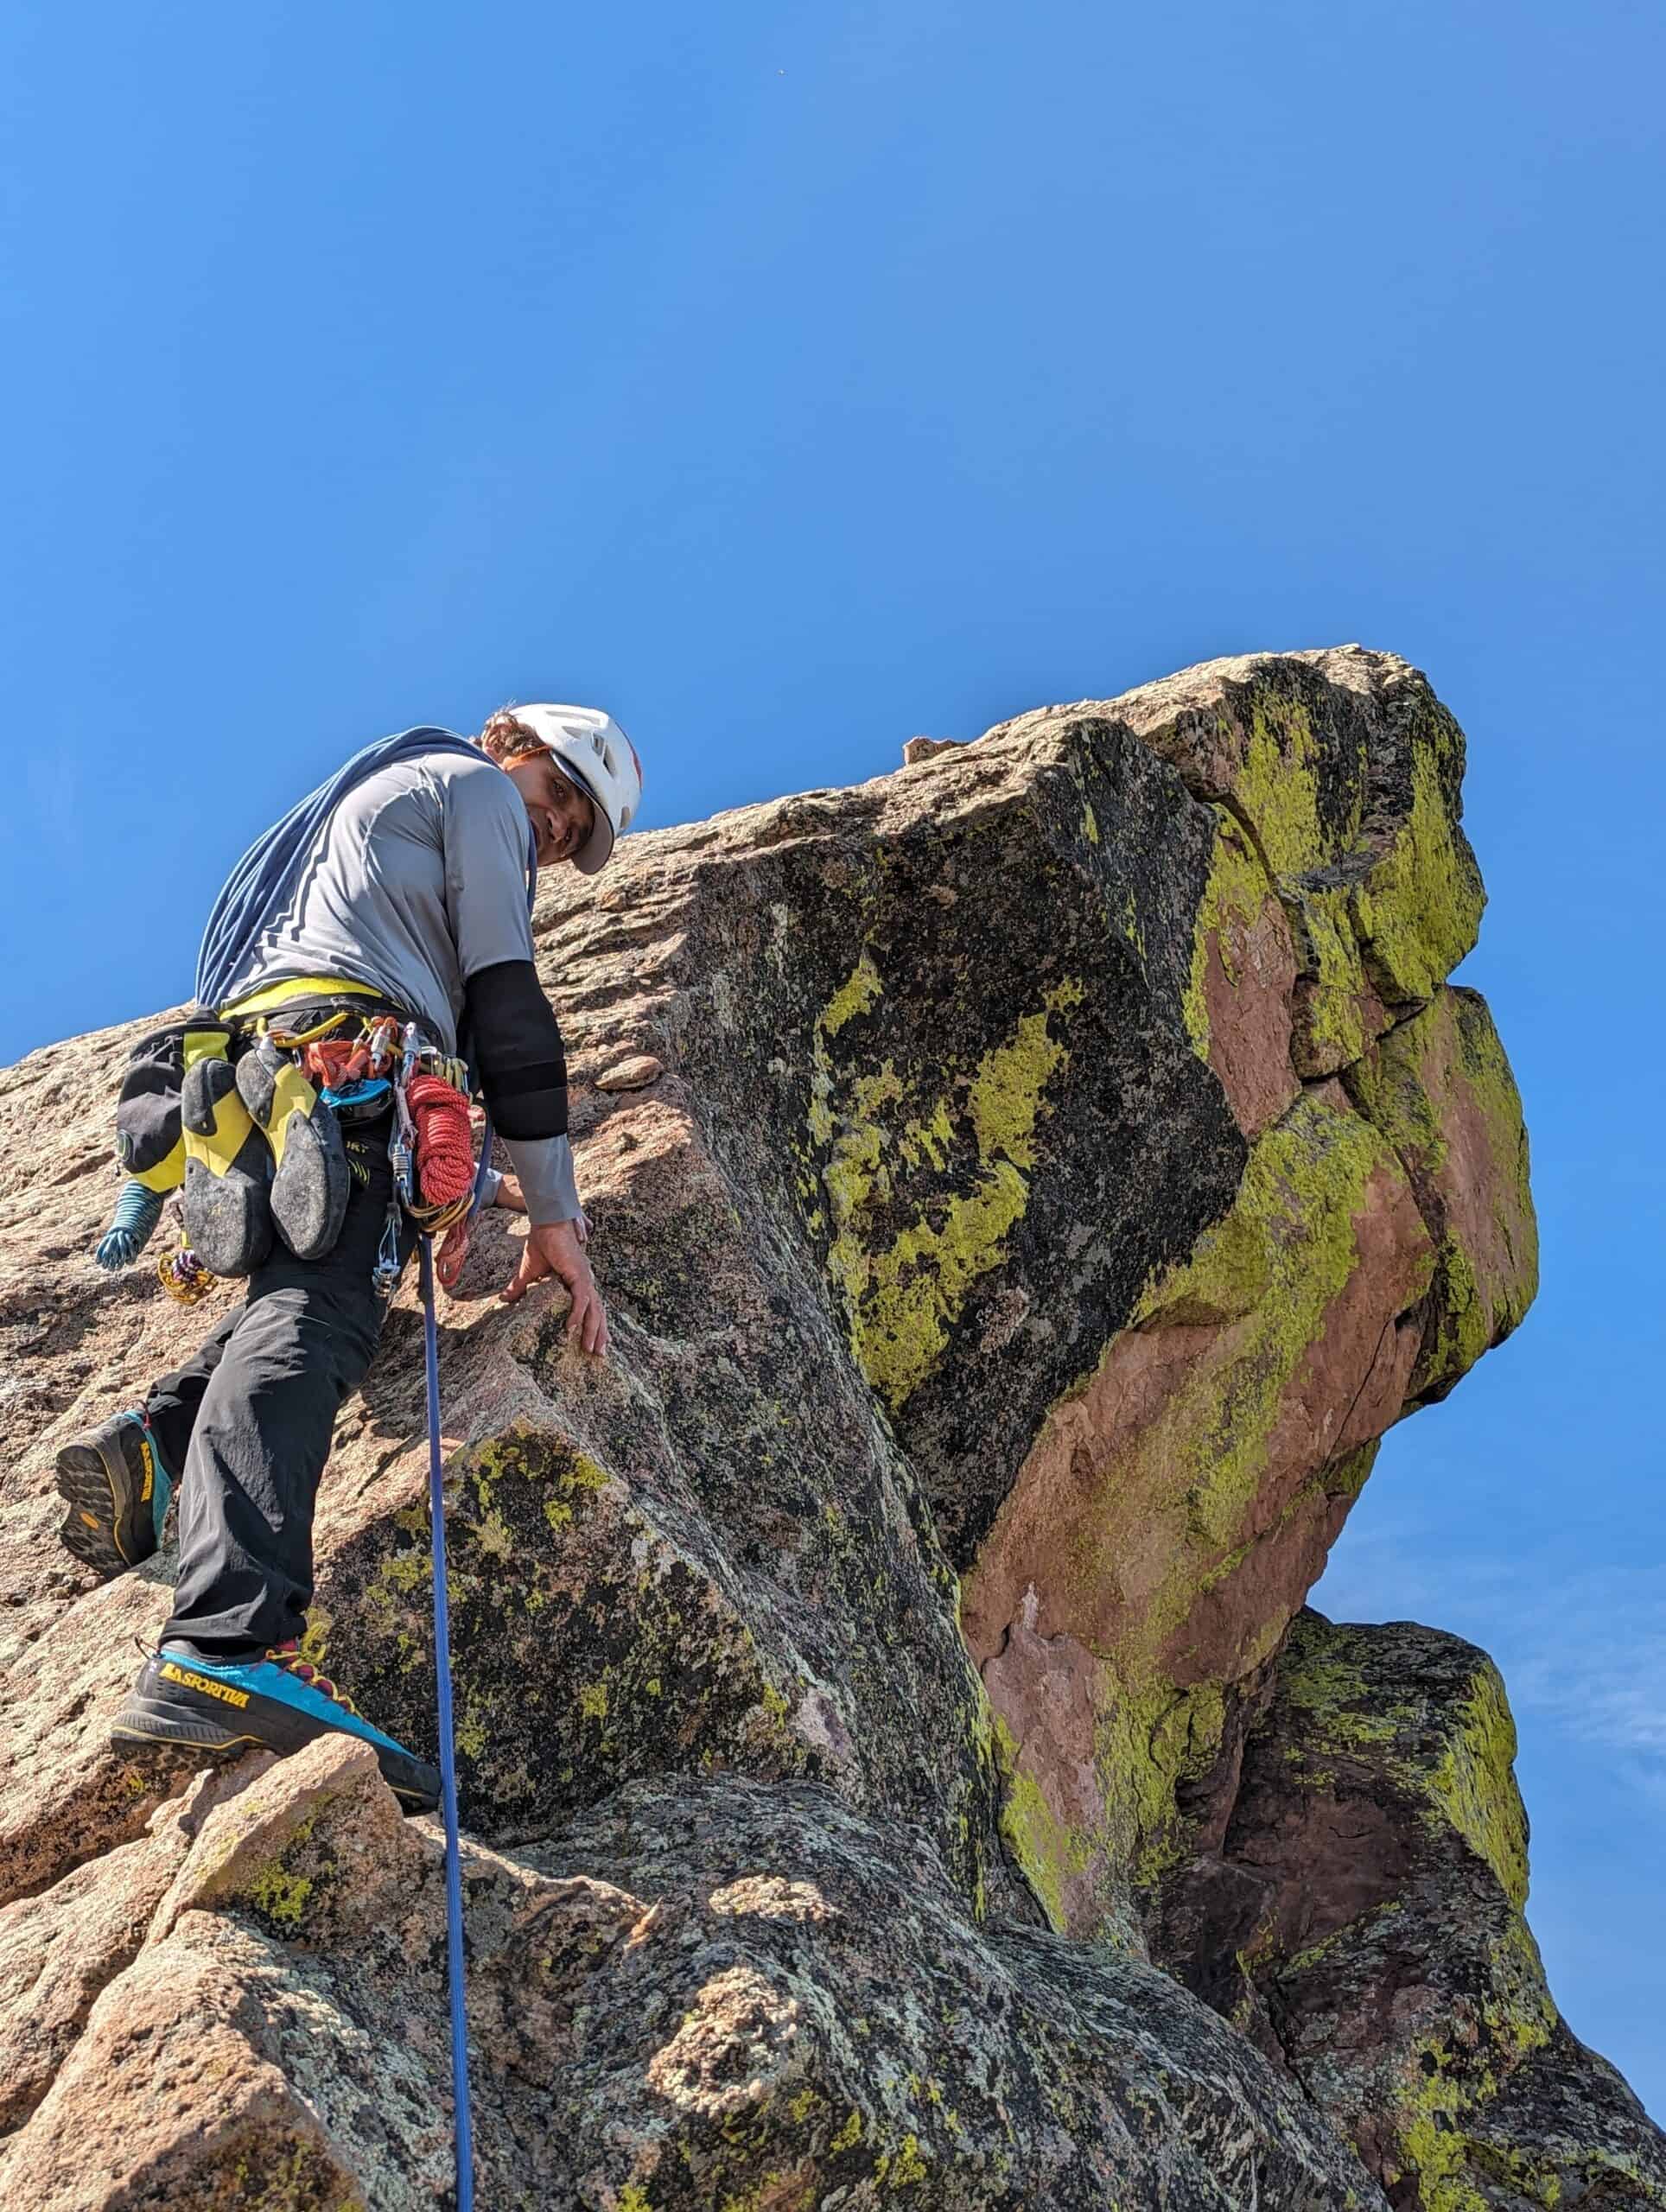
{"x": 117, "y": 1489}
{"x": 310, "y": 1178}
{"x": 227, "y": 1202}
{"x": 276, "y": 1702}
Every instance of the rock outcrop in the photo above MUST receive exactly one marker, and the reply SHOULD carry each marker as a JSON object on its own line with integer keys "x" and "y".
{"x": 1363, "y": 1922}
{"x": 1026, "y": 1187}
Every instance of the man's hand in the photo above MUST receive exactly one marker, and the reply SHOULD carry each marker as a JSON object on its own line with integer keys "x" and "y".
{"x": 554, "y": 1249}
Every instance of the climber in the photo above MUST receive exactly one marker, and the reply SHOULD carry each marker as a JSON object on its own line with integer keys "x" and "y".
{"x": 398, "y": 893}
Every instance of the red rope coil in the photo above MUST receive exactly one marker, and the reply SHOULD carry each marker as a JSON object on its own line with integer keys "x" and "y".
{"x": 445, "y": 1141}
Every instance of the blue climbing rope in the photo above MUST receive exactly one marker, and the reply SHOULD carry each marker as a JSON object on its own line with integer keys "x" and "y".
{"x": 454, "y": 1879}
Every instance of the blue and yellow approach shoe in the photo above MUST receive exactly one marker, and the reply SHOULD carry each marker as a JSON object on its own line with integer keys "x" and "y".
{"x": 117, "y": 1489}
{"x": 222, "y": 1708}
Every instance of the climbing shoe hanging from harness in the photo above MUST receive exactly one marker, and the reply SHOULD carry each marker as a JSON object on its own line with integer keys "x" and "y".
{"x": 149, "y": 1143}
{"x": 228, "y": 1169}
{"x": 310, "y": 1178}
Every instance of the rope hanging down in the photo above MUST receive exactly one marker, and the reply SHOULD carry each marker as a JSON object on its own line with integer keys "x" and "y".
{"x": 454, "y": 1884}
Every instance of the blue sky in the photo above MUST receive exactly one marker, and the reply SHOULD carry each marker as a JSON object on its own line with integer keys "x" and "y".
{"x": 793, "y": 381}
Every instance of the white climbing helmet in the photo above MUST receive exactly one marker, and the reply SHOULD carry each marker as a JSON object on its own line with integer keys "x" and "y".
{"x": 595, "y": 752}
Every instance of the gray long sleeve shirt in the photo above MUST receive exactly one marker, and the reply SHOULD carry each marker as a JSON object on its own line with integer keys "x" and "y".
{"x": 417, "y": 882}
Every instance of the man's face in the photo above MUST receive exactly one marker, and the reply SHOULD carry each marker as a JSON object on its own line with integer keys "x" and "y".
{"x": 562, "y": 815}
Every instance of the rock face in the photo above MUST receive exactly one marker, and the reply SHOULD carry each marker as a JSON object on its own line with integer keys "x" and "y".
{"x": 1024, "y": 1188}
{"x": 1362, "y": 1922}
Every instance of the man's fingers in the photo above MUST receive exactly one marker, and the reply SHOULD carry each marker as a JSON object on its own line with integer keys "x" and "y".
{"x": 587, "y": 1320}
{"x": 532, "y": 1268}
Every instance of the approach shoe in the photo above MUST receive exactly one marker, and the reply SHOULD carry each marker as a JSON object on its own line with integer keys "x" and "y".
{"x": 228, "y": 1170}
{"x": 279, "y": 1703}
{"x": 117, "y": 1489}
{"x": 311, "y": 1181}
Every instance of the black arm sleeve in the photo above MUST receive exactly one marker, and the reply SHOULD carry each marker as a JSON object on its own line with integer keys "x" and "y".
{"x": 516, "y": 1044}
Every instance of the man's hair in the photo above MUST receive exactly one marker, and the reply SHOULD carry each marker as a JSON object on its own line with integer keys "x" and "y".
{"x": 504, "y": 738}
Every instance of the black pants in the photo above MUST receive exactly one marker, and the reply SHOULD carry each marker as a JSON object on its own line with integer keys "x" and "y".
{"x": 246, "y": 1424}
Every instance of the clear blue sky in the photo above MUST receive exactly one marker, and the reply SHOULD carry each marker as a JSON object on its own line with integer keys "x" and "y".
{"x": 795, "y": 380}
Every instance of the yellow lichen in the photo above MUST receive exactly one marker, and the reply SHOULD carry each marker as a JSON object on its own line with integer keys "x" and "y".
{"x": 1233, "y": 894}
{"x": 1418, "y": 911}
{"x": 848, "y": 2137}
{"x": 904, "y": 1296}
{"x": 854, "y": 996}
{"x": 278, "y": 1893}
{"x": 1051, "y": 1851}
{"x": 1473, "y": 1785}
{"x": 1278, "y": 1263}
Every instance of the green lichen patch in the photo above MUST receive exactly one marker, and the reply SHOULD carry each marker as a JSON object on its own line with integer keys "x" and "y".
{"x": 1473, "y": 1784}
{"x": 587, "y": 1647}
{"x": 1336, "y": 1013}
{"x": 1417, "y": 909}
{"x": 1153, "y": 1738}
{"x": 291, "y": 1852}
{"x": 1234, "y": 893}
{"x": 905, "y": 1288}
{"x": 1448, "y": 1744}
{"x": 1054, "y": 1853}
{"x": 1440, "y": 1090}
{"x": 1281, "y": 784}
{"x": 1272, "y": 1269}
{"x": 280, "y": 1895}
{"x": 1151, "y": 1742}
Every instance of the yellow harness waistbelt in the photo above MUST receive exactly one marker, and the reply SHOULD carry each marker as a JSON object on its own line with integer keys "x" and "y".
{"x": 292, "y": 988}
